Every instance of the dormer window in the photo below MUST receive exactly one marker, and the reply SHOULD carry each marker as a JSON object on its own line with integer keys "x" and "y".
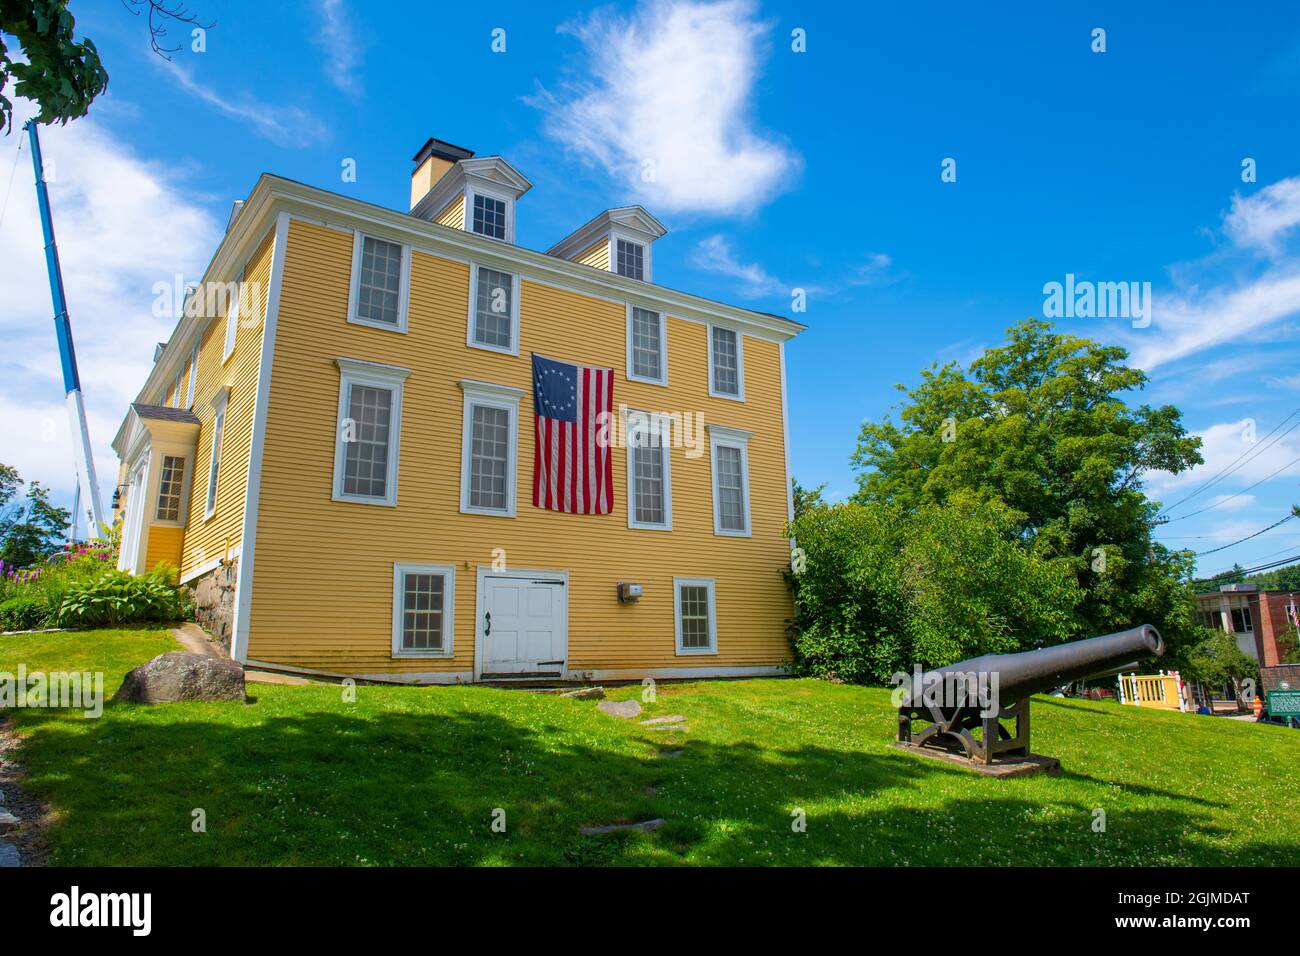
{"x": 629, "y": 259}
{"x": 617, "y": 241}
{"x": 452, "y": 187}
{"x": 489, "y": 216}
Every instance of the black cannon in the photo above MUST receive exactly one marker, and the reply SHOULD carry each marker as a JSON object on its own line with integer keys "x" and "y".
{"x": 978, "y": 694}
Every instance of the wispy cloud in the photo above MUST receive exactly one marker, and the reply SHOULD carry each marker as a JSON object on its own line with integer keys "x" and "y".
{"x": 665, "y": 106}
{"x": 1249, "y": 302}
{"x": 714, "y": 254}
{"x": 282, "y": 125}
{"x": 875, "y": 270}
{"x": 342, "y": 52}
{"x": 1259, "y": 221}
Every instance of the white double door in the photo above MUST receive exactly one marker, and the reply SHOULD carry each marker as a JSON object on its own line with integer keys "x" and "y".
{"x": 522, "y": 626}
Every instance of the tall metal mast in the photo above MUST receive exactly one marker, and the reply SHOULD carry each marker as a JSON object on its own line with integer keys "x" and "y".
{"x": 84, "y": 458}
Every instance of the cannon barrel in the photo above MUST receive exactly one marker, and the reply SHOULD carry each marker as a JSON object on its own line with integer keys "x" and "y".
{"x": 1032, "y": 672}
{"x": 955, "y": 718}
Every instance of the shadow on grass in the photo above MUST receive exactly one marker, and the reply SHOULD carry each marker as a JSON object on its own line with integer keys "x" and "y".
{"x": 396, "y": 787}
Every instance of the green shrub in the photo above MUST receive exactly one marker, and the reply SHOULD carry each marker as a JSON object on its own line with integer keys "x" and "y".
{"x": 26, "y": 612}
{"x": 883, "y": 590}
{"x": 114, "y": 598}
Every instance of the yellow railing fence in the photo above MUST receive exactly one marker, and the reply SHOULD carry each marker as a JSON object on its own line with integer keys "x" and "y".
{"x": 1161, "y": 691}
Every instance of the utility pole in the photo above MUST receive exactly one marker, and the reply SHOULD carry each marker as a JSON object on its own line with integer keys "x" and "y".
{"x": 83, "y": 456}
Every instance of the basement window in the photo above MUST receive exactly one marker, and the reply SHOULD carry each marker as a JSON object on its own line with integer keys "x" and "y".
{"x": 424, "y": 603}
{"x": 695, "y": 615}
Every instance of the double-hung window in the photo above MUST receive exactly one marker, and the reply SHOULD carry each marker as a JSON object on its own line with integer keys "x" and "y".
{"x": 381, "y": 282}
{"x": 489, "y": 448}
{"x": 729, "y": 451}
{"x": 424, "y": 604}
{"x": 695, "y": 615}
{"x": 194, "y": 374}
{"x": 369, "y": 428}
{"x": 647, "y": 359}
{"x": 629, "y": 259}
{"x": 726, "y": 363}
{"x": 219, "y": 403}
{"x": 489, "y": 216}
{"x": 649, "y": 471}
{"x": 494, "y": 310}
{"x": 234, "y": 296}
{"x": 169, "y": 488}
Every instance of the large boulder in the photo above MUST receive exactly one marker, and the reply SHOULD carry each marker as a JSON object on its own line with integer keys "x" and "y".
{"x": 181, "y": 675}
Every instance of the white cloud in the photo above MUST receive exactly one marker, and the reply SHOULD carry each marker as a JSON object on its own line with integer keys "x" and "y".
{"x": 665, "y": 105}
{"x": 714, "y": 254}
{"x": 1250, "y": 302}
{"x": 343, "y": 55}
{"x": 123, "y": 223}
{"x": 282, "y": 125}
{"x": 1221, "y": 446}
{"x": 1259, "y": 221}
{"x": 1185, "y": 324}
{"x": 873, "y": 271}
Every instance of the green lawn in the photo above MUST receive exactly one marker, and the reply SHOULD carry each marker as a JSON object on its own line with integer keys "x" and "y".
{"x": 413, "y": 775}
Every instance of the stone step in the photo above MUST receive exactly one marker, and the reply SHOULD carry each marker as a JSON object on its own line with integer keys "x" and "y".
{"x": 620, "y": 708}
{"x": 645, "y": 826}
{"x": 671, "y": 719}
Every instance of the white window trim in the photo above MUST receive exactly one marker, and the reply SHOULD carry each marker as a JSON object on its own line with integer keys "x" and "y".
{"x": 740, "y": 364}
{"x": 663, "y": 348}
{"x": 194, "y": 374}
{"x": 375, "y": 375}
{"x": 678, "y": 584}
{"x": 659, "y": 424}
{"x": 403, "y": 287}
{"x": 614, "y": 236}
{"x": 232, "y": 322}
{"x": 731, "y": 438}
{"x": 176, "y": 391}
{"x": 472, "y": 190}
{"x": 496, "y": 396}
{"x": 448, "y": 571}
{"x": 219, "y": 403}
{"x": 473, "y": 309}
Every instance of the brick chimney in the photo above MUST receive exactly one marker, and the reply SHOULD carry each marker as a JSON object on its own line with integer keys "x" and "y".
{"x": 431, "y": 162}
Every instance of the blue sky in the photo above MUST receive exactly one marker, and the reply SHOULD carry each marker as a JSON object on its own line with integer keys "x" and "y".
{"x": 818, "y": 170}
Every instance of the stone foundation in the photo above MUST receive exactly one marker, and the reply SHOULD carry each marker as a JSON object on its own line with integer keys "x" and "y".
{"x": 214, "y": 601}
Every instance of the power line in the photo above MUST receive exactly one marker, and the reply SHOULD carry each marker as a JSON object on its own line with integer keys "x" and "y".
{"x": 1253, "y": 452}
{"x": 1232, "y": 572}
{"x": 1201, "y": 554}
{"x": 5, "y": 208}
{"x": 1221, "y": 503}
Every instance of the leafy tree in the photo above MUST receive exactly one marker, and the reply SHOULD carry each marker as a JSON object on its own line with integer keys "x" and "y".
{"x": 38, "y": 531}
{"x": 806, "y": 498}
{"x": 1040, "y": 425}
{"x": 883, "y": 589}
{"x": 61, "y": 74}
{"x": 1216, "y": 659}
{"x": 10, "y": 482}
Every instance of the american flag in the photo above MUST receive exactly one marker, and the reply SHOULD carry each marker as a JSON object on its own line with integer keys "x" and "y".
{"x": 572, "y": 470}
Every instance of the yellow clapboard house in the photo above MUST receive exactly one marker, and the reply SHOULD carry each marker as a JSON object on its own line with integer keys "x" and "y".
{"x": 336, "y": 447}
